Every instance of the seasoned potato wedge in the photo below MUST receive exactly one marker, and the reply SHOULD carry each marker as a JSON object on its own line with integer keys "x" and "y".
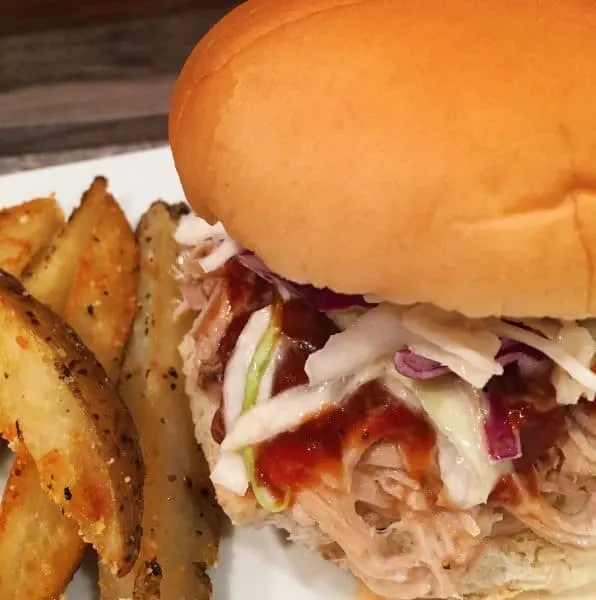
{"x": 180, "y": 536}
{"x": 57, "y": 400}
{"x": 26, "y": 230}
{"x": 61, "y": 259}
{"x": 100, "y": 308}
{"x": 102, "y": 300}
{"x": 27, "y": 571}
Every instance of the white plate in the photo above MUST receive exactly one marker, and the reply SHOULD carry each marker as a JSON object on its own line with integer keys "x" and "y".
{"x": 253, "y": 564}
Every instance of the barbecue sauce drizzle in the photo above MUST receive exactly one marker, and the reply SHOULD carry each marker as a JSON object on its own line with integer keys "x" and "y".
{"x": 298, "y": 458}
{"x": 532, "y": 410}
{"x": 246, "y": 293}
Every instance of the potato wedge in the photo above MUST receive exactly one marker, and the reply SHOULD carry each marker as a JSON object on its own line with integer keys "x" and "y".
{"x": 27, "y": 571}
{"x": 26, "y": 230}
{"x": 60, "y": 260}
{"x": 102, "y": 301}
{"x": 57, "y": 400}
{"x": 100, "y": 307}
{"x": 180, "y": 533}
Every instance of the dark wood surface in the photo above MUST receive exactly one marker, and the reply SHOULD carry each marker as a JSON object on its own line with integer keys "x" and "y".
{"x": 33, "y": 15}
{"x": 99, "y": 78}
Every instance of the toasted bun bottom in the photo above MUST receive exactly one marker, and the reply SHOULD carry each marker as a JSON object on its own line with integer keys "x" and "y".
{"x": 526, "y": 568}
{"x": 519, "y": 564}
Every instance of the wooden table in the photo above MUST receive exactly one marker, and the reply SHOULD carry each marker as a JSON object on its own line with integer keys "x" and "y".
{"x": 82, "y": 78}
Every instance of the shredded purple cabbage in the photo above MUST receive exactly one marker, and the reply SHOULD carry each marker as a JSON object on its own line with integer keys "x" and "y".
{"x": 528, "y": 360}
{"x": 503, "y": 439}
{"x": 322, "y": 299}
{"x": 414, "y": 366}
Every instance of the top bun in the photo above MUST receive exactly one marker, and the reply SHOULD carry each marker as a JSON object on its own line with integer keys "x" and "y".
{"x": 421, "y": 151}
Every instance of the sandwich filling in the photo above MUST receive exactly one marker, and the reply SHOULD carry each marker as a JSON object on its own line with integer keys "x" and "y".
{"x": 406, "y": 435}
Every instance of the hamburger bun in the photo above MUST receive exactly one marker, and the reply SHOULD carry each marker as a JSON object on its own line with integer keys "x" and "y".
{"x": 426, "y": 151}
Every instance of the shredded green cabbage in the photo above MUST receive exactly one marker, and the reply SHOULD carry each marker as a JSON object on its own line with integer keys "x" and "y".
{"x": 256, "y": 369}
{"x": 263, "y": 496}
{"x": 260, "y": 361}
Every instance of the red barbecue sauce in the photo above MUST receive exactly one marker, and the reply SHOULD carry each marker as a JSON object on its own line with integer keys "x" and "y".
{"x": 532, "y": 409}
{"x": 245, "y": 293}
{"x": 507, "y": 493}
{"x": 538, "y": 432}
{"x": 298, "y": 458}
{"x": 304, "y": 331}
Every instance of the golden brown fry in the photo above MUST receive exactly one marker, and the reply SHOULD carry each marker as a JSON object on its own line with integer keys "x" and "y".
{"x": 180, "y": 537}
{"x": 28, "y": 571}
{"x": 60, "y": 261}
{"x": 102, "y": 301}
{"x": 57, "y": 400}
{"x": 27, "y": 229}
{"x": 100, "y": 307}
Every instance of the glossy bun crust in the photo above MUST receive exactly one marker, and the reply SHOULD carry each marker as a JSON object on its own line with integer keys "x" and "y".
{"x": 423, "y": 151}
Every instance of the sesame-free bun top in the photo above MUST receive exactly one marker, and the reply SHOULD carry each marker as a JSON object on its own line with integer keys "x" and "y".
{"x": 418, "y": 150}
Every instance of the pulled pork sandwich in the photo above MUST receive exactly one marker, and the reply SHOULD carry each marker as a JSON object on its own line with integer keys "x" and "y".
{"x": 391, "y": 265}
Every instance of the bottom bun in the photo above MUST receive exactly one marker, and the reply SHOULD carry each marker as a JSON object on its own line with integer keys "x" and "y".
{"x": 522, "y": 565}
{"x": 525, "y": 567}
{"x": 527, "y": 563}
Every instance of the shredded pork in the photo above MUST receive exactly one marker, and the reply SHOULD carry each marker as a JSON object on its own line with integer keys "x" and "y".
{"x": 564, "y": 512}
{"x": 219, "y": 298}
{"x": 400, "y": 534}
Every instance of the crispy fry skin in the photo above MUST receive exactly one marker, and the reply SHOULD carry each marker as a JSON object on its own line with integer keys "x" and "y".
{"x": 102, "y": 301}
{"x": 26, "y": 230}
{"x": 60, "y": 261}
{"x": 100, "y": 307}
{"x": 27, "y": 571}
{"x": 57, "y": 400}
{"x": 180, "y": 537}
